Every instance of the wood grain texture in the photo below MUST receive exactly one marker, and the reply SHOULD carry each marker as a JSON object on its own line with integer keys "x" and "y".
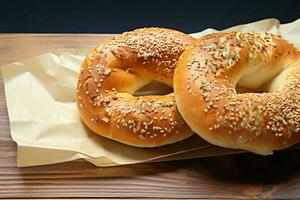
{"x": 245, "y": 176}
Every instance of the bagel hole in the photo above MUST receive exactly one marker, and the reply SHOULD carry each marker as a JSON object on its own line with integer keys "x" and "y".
{"x": 261, "y": 89}
{"x": 241, "y": 90}
{"x": 154, "y": 88}
{"x": 263, "y": 80}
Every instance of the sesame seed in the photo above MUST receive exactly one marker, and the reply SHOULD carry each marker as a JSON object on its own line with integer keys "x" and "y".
{"x": 104, "y": 119}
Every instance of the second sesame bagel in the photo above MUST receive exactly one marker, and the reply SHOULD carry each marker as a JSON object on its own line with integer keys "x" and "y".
{"x": 205, "y": 82}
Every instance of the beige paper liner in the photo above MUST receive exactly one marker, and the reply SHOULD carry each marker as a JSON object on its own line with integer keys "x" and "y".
{"x": 46, "y": 125}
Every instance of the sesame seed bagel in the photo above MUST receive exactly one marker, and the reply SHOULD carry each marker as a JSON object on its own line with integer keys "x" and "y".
{"x": 263, "y": 119}
{"x": 113, "y": 71}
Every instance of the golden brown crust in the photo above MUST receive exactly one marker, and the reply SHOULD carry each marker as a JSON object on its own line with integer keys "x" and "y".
{"x": 207, "y": 75}
{"x": 112, "y": 72}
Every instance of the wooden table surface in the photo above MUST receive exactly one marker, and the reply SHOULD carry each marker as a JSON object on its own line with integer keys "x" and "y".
{"x": 244, "y": 176}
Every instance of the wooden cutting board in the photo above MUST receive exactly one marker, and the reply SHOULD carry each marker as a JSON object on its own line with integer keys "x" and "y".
{"x": 244, "y": 176}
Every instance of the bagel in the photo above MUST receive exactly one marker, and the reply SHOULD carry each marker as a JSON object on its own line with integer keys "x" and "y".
{"x": 113, "y": 71}
{"x": 263, "y": 119}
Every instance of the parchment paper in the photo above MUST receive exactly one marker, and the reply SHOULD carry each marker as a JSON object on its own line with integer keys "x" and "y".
{"x": 46, "y": 125}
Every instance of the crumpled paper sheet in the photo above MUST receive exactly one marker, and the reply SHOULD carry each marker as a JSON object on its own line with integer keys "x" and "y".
{"x": 46, "y": 125}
